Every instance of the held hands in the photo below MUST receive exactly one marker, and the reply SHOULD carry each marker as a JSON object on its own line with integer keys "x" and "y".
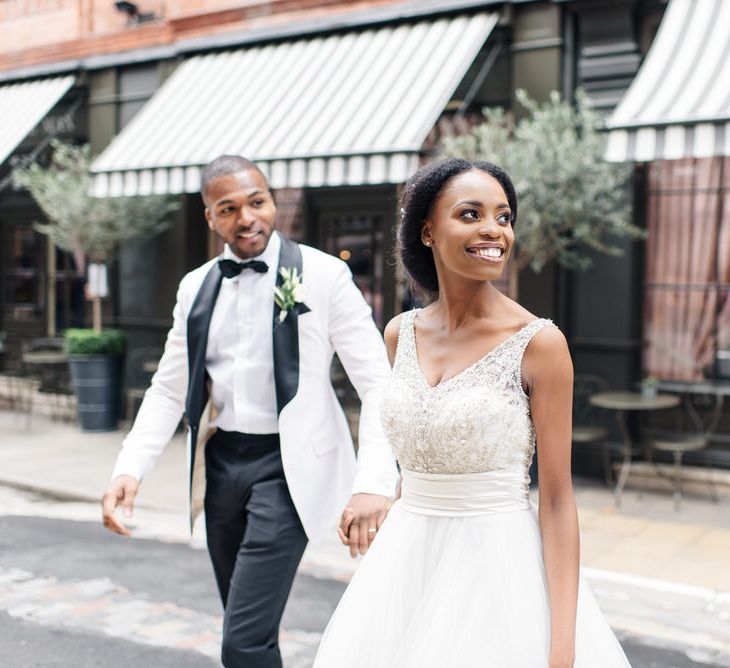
{"x": 360, "y": 521}
{"x": 122, "y": 491}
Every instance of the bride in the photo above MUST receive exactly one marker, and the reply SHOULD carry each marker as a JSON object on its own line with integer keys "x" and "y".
{"x": 464, "y": 572}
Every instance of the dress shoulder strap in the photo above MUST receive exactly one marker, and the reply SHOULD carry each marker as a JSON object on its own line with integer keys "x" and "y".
{"x": 406, "y": 338}
{"x": 528, "y": 332}
{"x": 523, "y": 338}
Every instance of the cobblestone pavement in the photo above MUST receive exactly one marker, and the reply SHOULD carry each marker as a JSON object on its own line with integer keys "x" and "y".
{"x": 101, "y": 606}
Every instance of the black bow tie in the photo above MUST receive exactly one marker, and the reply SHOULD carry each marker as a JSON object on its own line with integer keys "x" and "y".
{"x": 231, "y": 268}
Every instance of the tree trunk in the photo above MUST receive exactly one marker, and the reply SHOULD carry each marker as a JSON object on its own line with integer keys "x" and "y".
{"x": 97, "y": 290}
{"x": 96, "y": 313}
{"x": 51, "y": 289}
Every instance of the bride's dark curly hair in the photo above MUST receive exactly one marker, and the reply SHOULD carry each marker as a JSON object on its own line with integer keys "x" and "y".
{"x": 416, "y": 202}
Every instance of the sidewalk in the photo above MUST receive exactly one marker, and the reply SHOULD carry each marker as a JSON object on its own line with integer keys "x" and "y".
{"x": 646, "y": 538}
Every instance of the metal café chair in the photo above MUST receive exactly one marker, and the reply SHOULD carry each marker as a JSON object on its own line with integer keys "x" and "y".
{"x": 44, "y": 370}
{"x": 589, "y": 424}
{"x": 680, "y": 442}
{"x": 141, "y": 366}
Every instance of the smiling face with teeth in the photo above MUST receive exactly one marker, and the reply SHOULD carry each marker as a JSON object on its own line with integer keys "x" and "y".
{"x": 239, "y": 208}
{"x": 469, "y": 228}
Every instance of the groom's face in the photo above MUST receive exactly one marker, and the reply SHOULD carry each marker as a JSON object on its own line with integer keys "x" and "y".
{"x": 239, "y": 208}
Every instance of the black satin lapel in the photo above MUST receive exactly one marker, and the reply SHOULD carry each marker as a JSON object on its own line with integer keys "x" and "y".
{"x": 286, "y": 333}
{"x": 198, "y": 326}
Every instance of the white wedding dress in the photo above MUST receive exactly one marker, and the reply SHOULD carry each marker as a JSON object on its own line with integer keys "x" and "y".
{"x": 455, "y": 577}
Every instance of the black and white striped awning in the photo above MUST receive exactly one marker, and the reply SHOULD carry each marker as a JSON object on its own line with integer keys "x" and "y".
{"x": 348, "y": 108}
{"x": 24, "y": 105}
{"x": 678, "y": 106}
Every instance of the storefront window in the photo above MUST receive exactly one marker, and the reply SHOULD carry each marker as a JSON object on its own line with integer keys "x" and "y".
{"x": 24, "y": 275}
{"x": 26, "y": 285}
{"x": 687, "y": 307}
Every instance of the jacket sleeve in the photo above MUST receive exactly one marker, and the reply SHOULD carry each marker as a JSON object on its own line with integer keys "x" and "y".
{"x": 163, "y": 404}
{"x": 361, "y": 350}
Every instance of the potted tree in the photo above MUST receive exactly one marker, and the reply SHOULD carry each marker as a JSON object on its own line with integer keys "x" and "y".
{"x": 571, "y": 199}
{"x": 95, "y": 363}
{"x": 91, "y": 228}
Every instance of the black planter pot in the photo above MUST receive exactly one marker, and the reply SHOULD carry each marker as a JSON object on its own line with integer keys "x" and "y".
{"x": 97, "y": 383}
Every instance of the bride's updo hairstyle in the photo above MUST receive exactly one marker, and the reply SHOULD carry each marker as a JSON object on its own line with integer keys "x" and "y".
{"x": 416, "y": 204}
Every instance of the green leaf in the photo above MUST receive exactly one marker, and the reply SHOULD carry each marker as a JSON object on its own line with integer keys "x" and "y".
{"x": 79, "y": 223}
{"x": 89, "y": 342}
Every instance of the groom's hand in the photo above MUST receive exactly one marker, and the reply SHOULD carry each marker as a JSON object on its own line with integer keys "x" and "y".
{"x": 122, "y": 491}
{"x": 361, "y": 520}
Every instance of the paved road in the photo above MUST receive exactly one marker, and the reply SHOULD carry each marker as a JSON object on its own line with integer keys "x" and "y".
{"x": 74, "y": 595}
{"x": 75, "y": 584}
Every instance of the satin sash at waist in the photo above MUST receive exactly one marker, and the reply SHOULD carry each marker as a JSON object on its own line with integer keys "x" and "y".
{"x": 464, "y": 494}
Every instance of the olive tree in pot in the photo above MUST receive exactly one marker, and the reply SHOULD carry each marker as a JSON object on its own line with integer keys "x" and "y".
{"x": 91, "y": 228}
{"x": 571, "y": 201}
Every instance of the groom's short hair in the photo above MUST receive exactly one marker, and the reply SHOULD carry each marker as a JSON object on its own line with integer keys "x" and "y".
{"x": 224, "y": 165}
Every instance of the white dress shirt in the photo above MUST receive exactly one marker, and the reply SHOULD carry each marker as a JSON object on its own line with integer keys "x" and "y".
{"x": 240, "y": 357}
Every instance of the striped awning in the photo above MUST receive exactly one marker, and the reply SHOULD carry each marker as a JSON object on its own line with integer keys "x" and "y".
{"x": 24, "y": 105}
{"x": 678, "y": 106}
{"x": 350, "y": 108}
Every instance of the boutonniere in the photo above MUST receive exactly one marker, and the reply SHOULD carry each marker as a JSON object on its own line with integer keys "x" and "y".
{"x": 290, "y": 293}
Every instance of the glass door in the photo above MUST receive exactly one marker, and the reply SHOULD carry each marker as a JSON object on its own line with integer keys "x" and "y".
{"x": 359, "y": 240}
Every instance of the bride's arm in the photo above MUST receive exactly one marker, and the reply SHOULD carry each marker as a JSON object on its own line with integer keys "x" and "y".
{"x": 548, "y": 373}
{"x": 392, "y": 329}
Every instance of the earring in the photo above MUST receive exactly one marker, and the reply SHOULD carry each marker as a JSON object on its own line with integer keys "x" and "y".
{"x": 427, "y": 243}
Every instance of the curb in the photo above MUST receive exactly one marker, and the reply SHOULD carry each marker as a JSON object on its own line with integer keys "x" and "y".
{"x": 65, "y": 494}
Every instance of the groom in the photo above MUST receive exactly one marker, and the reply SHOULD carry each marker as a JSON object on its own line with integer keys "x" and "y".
{"x": 265, "y": 430}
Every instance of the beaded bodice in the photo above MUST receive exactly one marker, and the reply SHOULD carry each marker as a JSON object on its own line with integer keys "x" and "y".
{"x": 474, "y": 422}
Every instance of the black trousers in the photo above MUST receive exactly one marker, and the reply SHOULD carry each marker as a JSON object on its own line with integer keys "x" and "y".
{"x": 255, "y": 541}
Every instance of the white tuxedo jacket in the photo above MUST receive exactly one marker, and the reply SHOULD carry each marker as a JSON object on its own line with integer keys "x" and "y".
{"x": 316, "y": 447}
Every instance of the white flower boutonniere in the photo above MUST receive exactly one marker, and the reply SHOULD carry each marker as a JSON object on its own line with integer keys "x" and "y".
{"x": 290, "y": 293}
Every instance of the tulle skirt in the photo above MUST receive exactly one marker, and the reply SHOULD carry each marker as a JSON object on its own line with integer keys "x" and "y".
{"x": 455, "y": 579}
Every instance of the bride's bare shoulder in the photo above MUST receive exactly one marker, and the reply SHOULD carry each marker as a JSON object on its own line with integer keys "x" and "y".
{"x": 515, "y": 313}
{"x": 548, "y": 341}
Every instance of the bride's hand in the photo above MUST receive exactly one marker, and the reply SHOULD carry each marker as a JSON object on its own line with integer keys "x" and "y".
{"x": 361, "y": 520}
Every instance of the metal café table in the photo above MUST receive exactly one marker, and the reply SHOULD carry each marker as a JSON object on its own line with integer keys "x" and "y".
{"x": 719, "y": 389}
{"x": 621, "y": 402}
{"x": 44, "y": 357}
